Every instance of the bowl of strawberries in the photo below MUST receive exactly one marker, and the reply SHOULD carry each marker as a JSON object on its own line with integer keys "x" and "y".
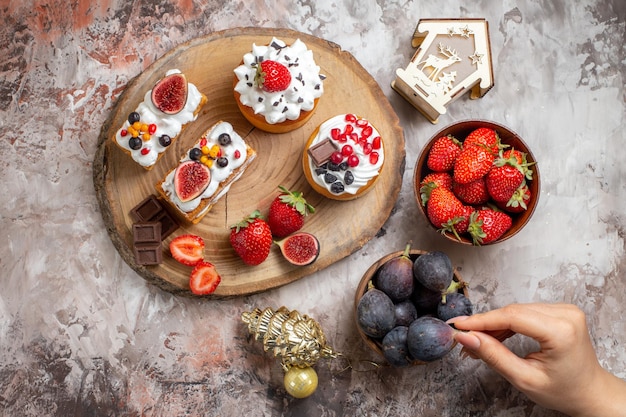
{"x": 477, "y": 182}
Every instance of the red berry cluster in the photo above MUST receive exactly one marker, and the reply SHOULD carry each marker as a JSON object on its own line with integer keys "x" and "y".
{"x": 358, "y": 132}
{"x": 475, "y": 185}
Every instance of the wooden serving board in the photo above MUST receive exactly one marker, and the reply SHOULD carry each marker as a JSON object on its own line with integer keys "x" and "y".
{"x": 208, "y": 62}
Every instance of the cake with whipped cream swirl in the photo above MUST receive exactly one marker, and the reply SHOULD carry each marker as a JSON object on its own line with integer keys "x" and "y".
{"x": 278, "y": 86}
{"x": 343, "y": 157}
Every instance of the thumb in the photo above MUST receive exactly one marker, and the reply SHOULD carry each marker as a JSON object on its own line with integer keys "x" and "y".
{"x": 491, "y": 351}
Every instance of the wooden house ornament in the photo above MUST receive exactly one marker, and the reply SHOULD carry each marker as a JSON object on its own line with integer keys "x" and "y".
{"x": 453, "y": 57}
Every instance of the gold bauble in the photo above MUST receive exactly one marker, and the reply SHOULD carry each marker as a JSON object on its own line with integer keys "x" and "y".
{"x": 300, "y": 382}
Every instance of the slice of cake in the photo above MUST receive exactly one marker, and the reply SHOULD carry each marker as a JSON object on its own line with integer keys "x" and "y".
{"x": 160, "y": 118}
{"x": 206, "y": 172}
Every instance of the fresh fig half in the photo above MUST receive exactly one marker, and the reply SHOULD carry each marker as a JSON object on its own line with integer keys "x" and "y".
{"x": 191, "y": 179}
{"x": 300, "y": 248}
{"x": 170, "y": 93}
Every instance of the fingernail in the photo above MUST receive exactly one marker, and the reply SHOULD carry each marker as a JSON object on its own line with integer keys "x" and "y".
{"x": 457, "y": 319}
{"x": 468, "y": 339}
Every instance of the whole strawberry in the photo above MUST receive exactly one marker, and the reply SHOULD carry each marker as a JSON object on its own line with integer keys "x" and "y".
{"x": 474, "y": 193}
{"x": 445, "y": 211}
{"x": 432, "y": 181}
{"x": 506, "y": 176}
{"x": 519, "y": 200}
{"x": 287, "y": 212}
{"x": 443, "y": 153}
{"x": 480, "y": 149}
{"x": 487, "y": 225}
{"x": 272, "y": 76}
{"x": 251, "y": 239}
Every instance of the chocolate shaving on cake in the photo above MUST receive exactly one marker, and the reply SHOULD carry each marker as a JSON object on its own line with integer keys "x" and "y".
{"x": 300, "y": 100}
{"x": 322, "y": 77}
{"x": 285, "y": 109}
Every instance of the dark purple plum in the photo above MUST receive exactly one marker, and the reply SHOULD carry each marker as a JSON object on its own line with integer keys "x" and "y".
{"x": 405, "y": 313}
{"x": 455, "y": 304}
{"x": 429, "y": 339}
{"x": 395, "y": 349}
{"x": 433, "y": 270}
{"x": 376, "y": 313}
{"x": 395, "y": 277}
{"x": 425, "y": 300}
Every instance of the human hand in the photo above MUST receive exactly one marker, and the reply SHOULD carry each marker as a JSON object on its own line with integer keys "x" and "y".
{"x": 563, "y": 375}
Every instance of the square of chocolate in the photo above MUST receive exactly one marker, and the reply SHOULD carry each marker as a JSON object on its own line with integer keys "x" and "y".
{"x": 148, "y": 254}
{"x": 168, "y": 223}
{"x": 321, "y": 152}
{"x": 146, "y": 233}
{"x": 147, "y": 209}
{"x": 151, "y": 210}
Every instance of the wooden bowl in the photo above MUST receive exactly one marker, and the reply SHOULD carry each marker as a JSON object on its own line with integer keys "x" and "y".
{"x": 460, "y": 130}
{"x": 368, "y": 276}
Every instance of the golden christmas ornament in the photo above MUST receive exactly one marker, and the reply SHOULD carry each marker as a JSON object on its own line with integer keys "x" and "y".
{"x": 300, "y": 382}
{"x": 296, "y": 339}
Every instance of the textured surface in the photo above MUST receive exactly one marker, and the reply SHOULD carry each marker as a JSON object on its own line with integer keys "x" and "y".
{"x": 81, "y": 334}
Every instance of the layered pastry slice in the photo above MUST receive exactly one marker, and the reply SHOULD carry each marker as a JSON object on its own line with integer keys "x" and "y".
{"x": 206, "y": 172}
{"x": 159, "y": 119}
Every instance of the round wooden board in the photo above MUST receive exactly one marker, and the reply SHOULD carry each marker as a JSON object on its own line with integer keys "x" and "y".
{"x": 208, "y": 62}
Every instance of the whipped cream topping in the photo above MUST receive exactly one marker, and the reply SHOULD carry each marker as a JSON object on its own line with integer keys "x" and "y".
{"x": 306, "y": 82}
{"x": 166, "y": 124}
{"x": 366, "y": 145}
{"x": 235, "y": 152}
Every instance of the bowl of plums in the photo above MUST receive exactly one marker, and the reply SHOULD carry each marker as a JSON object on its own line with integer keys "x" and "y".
{"x": 402, "y": 304}
{"x": 476, "y": 182}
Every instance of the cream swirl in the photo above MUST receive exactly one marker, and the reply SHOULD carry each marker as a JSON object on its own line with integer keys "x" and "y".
{"x": 166, "y": 124}
{"x": 345, "y": 130}
{"x": 306, "y": 82}
{"x": 235, "y": 152}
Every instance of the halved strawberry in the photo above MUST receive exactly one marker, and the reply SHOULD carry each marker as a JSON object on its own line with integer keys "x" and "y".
{"x": 187, "y": 249}
{"x": 204, "y": 279}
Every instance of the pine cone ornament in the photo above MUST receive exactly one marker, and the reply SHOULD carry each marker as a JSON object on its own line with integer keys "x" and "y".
{"x": 296, "y": 339}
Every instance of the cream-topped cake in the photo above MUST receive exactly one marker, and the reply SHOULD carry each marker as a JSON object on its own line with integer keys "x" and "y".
{"x": 277, "y": 86}
{"x": 160, "y": 118}
{"x": 343, "y": 157}
{"x": 206, "y": 172}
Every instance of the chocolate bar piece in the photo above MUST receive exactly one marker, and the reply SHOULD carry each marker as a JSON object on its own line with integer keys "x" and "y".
{"x": 320, "y": 153}
{"x": 147, "y": 243}
{"x": 146, "y": 233}
{"x": 151, "y": 210}
{"x": 147, "y": 210}
{"x": 149, "y": 254}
